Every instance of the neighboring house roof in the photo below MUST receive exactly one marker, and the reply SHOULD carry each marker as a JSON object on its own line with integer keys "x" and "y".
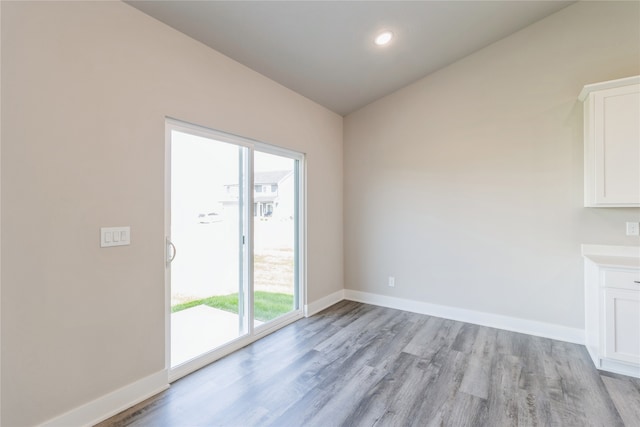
{"x": 271, "y": 177}
{"x": 264, "y": 199}
{"x": 261, "y": 178}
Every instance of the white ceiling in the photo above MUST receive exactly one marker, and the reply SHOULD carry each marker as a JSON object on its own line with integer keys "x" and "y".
{"x": 324, "y": 49}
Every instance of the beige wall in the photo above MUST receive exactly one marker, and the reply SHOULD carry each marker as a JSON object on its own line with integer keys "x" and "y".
{"x": 467, "y": 185}
{"x": 86, "y": 87}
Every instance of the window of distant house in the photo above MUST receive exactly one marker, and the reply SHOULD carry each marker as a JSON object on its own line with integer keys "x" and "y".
{"x": 274, "y": 188}
{"x": 258, "y": 188}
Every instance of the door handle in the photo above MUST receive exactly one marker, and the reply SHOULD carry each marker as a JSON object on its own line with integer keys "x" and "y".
{"x": 171, "y": 251}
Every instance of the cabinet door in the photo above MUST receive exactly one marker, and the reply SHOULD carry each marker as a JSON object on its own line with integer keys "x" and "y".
{"x": 617, "y": 146}
{"x": 622, "y": 325}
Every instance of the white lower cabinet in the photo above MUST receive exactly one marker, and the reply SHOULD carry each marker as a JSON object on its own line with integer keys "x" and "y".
{"x": 622, "y": 325}
{"x": 612, "y": 311}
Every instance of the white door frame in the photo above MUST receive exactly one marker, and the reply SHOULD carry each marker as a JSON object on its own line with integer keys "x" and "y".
{"x": 256, "y": 333}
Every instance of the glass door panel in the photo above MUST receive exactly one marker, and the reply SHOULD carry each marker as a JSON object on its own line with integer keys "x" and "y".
{"x": 275, "y": 239}
{"x": 208, "y": 228}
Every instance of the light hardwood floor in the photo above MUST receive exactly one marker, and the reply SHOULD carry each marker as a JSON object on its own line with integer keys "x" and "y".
{"x": 360, "y": 365}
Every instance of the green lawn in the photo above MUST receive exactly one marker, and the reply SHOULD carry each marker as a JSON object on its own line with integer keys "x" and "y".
{"x": 267, "y": 306}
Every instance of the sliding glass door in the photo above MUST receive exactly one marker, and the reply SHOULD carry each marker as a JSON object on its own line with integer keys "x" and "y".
{"x": 235, "y": 240}
{"x": 208, "y": 228}
{"x": 275, "y": 219}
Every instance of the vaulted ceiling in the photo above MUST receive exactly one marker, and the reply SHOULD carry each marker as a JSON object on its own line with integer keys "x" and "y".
{"x": 324, "y": 50}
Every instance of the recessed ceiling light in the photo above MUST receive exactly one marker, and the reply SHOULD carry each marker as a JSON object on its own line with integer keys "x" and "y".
{"x": 383, "y": 38}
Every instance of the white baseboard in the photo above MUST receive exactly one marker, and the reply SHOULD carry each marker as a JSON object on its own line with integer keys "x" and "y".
{"x": 619, "y": 368}
{"x": 112, "y": 403}
{"x": 324, "y": 302}
{"x": 515, "y": 324}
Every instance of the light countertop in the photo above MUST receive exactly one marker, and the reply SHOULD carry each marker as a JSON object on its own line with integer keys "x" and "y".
{"x": 613, "y": 256}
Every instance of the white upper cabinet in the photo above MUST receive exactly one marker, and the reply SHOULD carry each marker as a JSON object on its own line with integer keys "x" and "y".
{"x": 612, "y": 143}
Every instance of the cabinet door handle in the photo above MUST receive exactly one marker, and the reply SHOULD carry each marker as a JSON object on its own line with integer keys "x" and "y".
{"x": 636, "y": 281}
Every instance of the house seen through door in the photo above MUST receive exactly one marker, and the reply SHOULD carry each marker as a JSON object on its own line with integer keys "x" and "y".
{"x": 234, "y": 241}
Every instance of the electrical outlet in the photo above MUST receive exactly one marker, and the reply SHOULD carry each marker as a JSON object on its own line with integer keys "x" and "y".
{"x": 633, "y": 228}
{"x": 392, "y": 281}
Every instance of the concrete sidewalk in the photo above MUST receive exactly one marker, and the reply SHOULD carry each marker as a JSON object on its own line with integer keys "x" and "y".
{"x": 200, "y": 329}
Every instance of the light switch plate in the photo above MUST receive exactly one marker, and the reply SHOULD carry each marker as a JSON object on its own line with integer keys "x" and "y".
{"x": 633, "y": 228}
{"x": 115, "y": 236}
